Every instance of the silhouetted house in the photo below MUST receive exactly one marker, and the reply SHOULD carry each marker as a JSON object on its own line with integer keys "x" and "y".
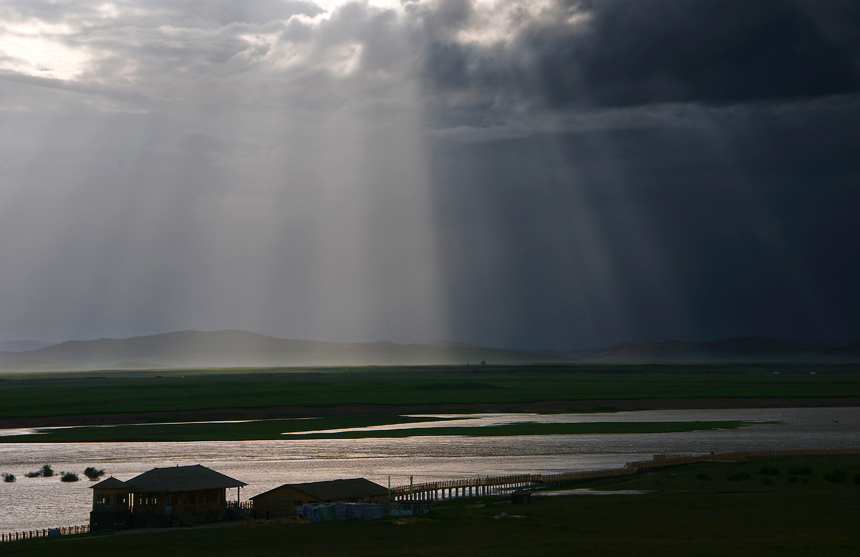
{"x": 285, "y": 500}
{"x": 177, "y": 496}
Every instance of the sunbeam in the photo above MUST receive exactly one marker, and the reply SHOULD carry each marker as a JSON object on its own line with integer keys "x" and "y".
{"x": 509, "y": 173}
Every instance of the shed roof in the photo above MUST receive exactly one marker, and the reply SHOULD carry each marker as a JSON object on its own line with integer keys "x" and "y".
{"x": 333, "y": 490}
{"x": 180, "y": 478}
{"x": 110, "y": 483}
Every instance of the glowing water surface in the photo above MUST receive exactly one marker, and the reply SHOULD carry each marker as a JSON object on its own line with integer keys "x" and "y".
{"x": 31, "y": 503}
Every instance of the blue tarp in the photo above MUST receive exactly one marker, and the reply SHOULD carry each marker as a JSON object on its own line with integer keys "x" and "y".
{"x": 326, "y": 513}
{"x": 329, "y": 512}
{"x": 342, "y": 511}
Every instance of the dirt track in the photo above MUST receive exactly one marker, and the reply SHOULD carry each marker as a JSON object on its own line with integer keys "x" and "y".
{"x": 353, "y": 409}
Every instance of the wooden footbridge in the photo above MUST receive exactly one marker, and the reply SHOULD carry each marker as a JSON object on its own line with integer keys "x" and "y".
{"x": 491, "y": 485}
{"x": 494, "y": 485}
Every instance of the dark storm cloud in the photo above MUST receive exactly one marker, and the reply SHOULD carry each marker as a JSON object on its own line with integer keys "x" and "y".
{"x": 635, "y": 52}
{"x": 652, "y": 169}
{"x": 742, "y": 225}
{"x": 715, "y": 51}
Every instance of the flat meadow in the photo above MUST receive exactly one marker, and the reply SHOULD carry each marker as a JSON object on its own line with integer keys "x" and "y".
{"x": 288, "y": 391}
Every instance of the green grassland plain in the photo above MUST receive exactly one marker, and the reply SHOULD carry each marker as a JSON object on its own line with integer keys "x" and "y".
{"x": 775, "y": 506}
{"x": 357, "y": 397}
{"x": 25, "y": 395}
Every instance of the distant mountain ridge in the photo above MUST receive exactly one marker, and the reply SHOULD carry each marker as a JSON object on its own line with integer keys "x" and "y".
{"x": 22, "y": 345}
{"x": 230, "y": 348}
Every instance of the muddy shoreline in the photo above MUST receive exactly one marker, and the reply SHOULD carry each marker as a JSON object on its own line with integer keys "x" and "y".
{"x": 365, "y": 409}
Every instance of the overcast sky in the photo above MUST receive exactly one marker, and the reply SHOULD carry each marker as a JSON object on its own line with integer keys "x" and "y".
{"x": 545, "y": 174}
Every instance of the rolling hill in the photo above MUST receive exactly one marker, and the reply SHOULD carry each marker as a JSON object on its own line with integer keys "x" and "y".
{"x": 186, "y": 349}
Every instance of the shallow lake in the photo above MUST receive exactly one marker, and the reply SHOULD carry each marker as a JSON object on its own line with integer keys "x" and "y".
{"x": 31, "y": 503}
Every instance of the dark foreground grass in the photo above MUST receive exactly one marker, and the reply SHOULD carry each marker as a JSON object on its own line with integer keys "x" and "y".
{"x": 165, "y": 391}
{"x": 684, "y": 515}
{"x": 292, "y": 429}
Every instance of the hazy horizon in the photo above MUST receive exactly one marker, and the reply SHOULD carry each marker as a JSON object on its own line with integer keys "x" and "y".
{"x": 507, "y": 173}
{"x": 436, "y": 342}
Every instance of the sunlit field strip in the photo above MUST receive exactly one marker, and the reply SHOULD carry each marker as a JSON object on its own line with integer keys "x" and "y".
{"x": 275, "y": 429}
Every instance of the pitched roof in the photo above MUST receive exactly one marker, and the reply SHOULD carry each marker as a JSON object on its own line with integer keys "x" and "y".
{"x": 110, "y": 483}
{"x": 334, "y": 490}
{"x": 180, "y": 478}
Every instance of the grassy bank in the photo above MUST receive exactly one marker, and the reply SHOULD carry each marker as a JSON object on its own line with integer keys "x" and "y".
{"x": 275, "y": 429}
{"x": 166, "y": 391}
{"x": 701, "y": 509}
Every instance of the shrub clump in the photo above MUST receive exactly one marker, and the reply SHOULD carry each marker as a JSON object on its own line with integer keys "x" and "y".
{"x": 837, "y": 476}
{"x": 45, "y": 471}
{"x": 769, "y": 471}
{"x": 8, "y": 478}
{"x": 805, "y": 471}
{"x": 857, "y": 479}
{"x": 93, "y": 474}
{"x": 68, "y": 477}
{"x": 738, "y": 477}
{"x": 704, "y": 477}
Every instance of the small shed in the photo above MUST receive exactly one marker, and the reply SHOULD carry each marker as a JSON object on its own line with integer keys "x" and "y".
{"x": 283, "y": 501}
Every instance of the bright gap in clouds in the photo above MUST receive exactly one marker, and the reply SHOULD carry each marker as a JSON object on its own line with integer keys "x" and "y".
{"x": 36, "y": 49}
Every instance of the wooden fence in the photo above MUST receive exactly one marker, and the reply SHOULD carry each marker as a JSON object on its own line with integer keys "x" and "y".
{"x": 44, "y": 533}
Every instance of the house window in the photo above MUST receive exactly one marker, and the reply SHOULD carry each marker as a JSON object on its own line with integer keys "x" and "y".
{"x": 102, "y": 499}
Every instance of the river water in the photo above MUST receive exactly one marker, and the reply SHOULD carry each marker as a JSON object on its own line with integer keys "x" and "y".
{"x": 35, "y": 503}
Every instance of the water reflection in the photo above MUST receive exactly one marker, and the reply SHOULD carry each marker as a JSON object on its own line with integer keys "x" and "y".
{"x": 31, "y": 503}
